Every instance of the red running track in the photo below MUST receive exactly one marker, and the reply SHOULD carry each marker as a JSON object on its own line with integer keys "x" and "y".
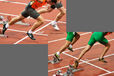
{"x": 90, "y": 63}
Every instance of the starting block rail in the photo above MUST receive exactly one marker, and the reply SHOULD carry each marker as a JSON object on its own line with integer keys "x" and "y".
{"x": 54, "y": 61}
{"x": 70, "y": 71}
{"x": 4, "y": 36}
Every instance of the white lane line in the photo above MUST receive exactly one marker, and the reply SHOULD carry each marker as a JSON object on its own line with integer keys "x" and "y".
{"x": 87, "y": 60}
{"x": 13, "y": 2}
{"x": 89, "y": 63}
{"x": 98, "y": 58}
{"x": 65, "y": 37}
{"x": 29, "y": 17}
{"x": 33, "y": 33}
{"x": 68, "y": 50}
{"x": 26, "y": 32}
{"x": 106, "y": 73}
{"x": 80, "y": 63}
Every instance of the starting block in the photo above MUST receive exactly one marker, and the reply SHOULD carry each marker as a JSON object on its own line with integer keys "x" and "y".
{"x": 58, "y": 73}
{"x": 4, "y": 21}
{"x": 49, "y": 61}
{"x": 4, "y": 36}
{"x": 71, "y": 70}
{"x": 55, "y": 60}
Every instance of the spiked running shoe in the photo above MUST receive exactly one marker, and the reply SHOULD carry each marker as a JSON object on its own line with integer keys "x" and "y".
{"x": 31, "y": 36}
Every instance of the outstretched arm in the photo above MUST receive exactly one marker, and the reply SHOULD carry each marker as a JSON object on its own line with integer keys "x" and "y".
{"x": 45, "y": 10}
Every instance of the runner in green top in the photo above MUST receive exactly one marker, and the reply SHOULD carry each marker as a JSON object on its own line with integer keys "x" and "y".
{"x": 71, "y": 38}
{"x": 95, "y": 37}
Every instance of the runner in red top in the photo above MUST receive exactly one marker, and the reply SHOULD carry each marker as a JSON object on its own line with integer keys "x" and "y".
{"x": 30, "y": 11}
{"x": 37, "y": 3}
{"x": 60, "y": 8}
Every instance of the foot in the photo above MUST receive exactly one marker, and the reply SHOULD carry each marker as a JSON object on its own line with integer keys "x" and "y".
{"x": 54, "y": 24}
{"x": 4, "y": 29}
{"x": 57, "y": 56}
{"x": 69, "y": 48}
{"x": 102, "y": 59}
{"x": 76, "y": 64}
{"x": 31, "y": 36}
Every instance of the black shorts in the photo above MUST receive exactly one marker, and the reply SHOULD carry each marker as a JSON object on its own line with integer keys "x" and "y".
{"x": 29, "y": 11}
{"x": 58, "y": 5}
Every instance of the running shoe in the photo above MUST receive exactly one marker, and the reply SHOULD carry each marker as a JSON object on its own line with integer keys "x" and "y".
{"x": 4, "y": 29}
{"x": 55, "y": 26}
{"x": 31, "y": 36}
{"x": 57, "y": 56}
{"x": 69, "y": 48}
{"x": 102, "y": 59}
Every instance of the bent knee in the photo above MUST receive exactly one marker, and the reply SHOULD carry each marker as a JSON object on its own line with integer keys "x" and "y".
{"x": 20, "y": 17}
{"x": 107, "y": 45}
{"x": 63, "y": 12}
{"x": 40, "y": 20}
{"x": 78, "y": 35}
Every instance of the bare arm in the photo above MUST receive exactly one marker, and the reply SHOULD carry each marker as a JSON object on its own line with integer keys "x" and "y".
{"x": 45, "y": 10}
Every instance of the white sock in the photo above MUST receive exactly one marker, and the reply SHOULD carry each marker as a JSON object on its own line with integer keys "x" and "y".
{"x": 29, "y": 31}
{"x": 54, "y": 22}
{"x": 70, "y": 46}
{"x": 58, "y": 53}
{"x": 7, "y": 25}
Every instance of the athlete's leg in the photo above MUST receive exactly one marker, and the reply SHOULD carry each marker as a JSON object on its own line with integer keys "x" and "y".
{"x": 23, "y": 15}
{"x": 107, "y": 46}
{"x": 99, "y": 36}
{"x": 11, "y": 22}
{"x": 64, "y": 46}
{"x": 39, "y": 21}
{"x": 62, "y": 49}
{"x": 69, "y": 39}
{"x": 76, "y": 37}
{"x": 60, "y": 14}
{"x": 16, "y": 19}
{"x": 86, "y": 49}
{"x": 105, "y": 42}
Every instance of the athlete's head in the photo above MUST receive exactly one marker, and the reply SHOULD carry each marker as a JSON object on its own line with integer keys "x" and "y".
{"x": 52, "y": 1}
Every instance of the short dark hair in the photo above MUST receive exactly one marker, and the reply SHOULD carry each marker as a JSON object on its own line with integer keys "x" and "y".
{"x": 54, "y": 1}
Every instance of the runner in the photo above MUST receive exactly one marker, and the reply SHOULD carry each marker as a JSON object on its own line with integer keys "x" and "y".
{"x": 30, "y": 11}
{"x": 71, "y": 38}
{"x": 95, "y": 37}
{"x": 61, "y": 13}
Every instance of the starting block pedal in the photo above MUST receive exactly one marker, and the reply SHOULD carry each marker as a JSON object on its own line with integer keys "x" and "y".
{"x": 71, "y": 70}
{"x": 55, "y": 60}
{"x": 58, "y": 73}
{"x": 49, "y": 61}
{"x": 4, "y": 36}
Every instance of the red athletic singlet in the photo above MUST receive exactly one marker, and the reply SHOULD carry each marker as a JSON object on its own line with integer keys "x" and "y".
{"x": 37, "y": 4}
